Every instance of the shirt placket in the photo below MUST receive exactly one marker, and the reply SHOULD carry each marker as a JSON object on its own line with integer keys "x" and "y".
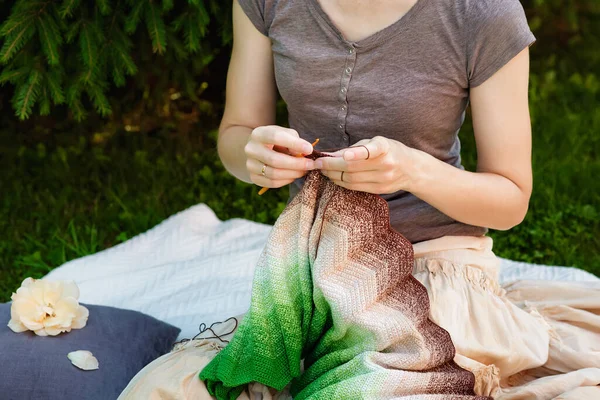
{"x": 343, "y": 95}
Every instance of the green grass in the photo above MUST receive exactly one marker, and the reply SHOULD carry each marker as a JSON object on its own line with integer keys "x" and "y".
{"x": 562, "y": 226}
{"x": 68, "y": 196}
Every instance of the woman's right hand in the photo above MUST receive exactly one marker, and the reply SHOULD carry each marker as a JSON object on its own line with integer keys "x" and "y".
{"x": 272, "y": 156}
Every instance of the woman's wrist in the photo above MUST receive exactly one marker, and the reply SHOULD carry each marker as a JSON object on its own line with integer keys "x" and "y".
{"x": 418, "y": 171}
{"x": 230, "y": 146}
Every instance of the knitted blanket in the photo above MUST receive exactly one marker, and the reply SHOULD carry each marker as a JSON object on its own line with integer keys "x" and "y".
{"x": 336, "y": 312}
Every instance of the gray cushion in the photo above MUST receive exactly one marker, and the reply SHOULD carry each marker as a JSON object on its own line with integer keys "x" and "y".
{"x": 34, "y": 367}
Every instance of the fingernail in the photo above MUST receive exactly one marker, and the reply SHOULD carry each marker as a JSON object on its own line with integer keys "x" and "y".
{"x": 307, "y": 149}
{"x": 318, "y": 164}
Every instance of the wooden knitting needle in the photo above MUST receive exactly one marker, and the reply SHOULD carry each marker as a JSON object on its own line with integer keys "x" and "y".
{"x": 264, "y": 190}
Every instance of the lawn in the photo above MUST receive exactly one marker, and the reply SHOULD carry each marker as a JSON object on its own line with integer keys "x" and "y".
{"x": 66, "y": 194}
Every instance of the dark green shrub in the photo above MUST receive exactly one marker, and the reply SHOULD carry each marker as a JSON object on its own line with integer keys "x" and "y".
{"x": 568, "y": 33}
{"x": 73, "y": 52}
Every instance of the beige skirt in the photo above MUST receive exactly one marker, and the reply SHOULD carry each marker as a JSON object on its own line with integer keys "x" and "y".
{"x": 526, "y": 340}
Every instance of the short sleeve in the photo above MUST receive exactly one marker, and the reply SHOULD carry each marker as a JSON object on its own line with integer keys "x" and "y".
{"x": 255, "y": 10}
{"x": 497, "y": 31}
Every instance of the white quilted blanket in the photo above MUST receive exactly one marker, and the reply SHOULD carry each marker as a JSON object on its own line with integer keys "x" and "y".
{"x": 193, "y": 268}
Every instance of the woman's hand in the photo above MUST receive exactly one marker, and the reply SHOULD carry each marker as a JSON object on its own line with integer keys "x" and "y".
{"x": 377, "y": 165}
{"x": 271, "y": 156}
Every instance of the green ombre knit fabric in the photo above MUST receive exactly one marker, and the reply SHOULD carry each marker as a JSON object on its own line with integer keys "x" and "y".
{"x": 335, "y": 311}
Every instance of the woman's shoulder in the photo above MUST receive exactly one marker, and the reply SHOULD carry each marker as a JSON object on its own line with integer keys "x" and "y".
{"x": 262, "y": 12}
{"x": 485, "y": 11}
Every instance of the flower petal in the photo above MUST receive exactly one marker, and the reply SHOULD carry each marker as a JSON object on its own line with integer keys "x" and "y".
{"x": 70, "y": 289}
{"x": 81, "y": 318}
{"x": 16, "y": 326}
{"x": 41, "y": 332}
{"x": 36, "y": 290}
{"x": 53, "y": 330}
{"x": 31, "y": 324}
{"x": 52, "y": 292}
{"x": 83, "y": 359}
{"x": 66, "y": 308}
{"x": 27, "y": 308}
{"x": 27, "y": 281}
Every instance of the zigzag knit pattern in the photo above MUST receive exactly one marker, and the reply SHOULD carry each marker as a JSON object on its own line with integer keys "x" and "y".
{"x": 336, "y": 311}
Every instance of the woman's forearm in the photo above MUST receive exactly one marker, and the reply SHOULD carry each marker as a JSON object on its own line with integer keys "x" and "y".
{"x": 230, "y": 145}
{"x": 476, "y": 198}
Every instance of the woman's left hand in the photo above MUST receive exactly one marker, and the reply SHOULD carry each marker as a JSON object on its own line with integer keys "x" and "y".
{"x": 378, "y": 165}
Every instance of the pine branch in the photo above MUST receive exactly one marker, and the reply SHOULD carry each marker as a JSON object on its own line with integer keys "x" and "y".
{"x": 89, "y": 50}
{"x": 66, "y": 10}
{"x": 191, "y": 31}
{"x": 73, "y": 30}
{"x": 54, "y": 85}
{"x": 178, "y": 48}
{"x": 14, "y": 22}
{"x": 13, "y": 75}
{"x": 156, "y": 29}
{"x": 50, "y": 38}
{"x": 117, "y": 73}
{"x": 45, "y": 102}
{"x": 167, "y": 5}
{"x": 27, "y": 94}
{"x": 96, "y": 94}
{"x": 78, "y": 110}
{"x": 121, "y": 54}
{"x": 104, "y": 6}
{"x": 16, "y": 40}
{"x": 74, "y": 100}
{"x": 136, "y": 14}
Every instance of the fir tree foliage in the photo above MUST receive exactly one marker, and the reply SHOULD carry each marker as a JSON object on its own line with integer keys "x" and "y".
{"x": 73, "y": 52}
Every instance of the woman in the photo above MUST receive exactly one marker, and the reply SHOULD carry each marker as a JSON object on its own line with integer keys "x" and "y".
{"x": 384, "y": 84}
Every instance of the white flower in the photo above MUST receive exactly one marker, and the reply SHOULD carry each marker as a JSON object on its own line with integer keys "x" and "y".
{"x": 83, "y": 359}
{"x": 47, "y": 307}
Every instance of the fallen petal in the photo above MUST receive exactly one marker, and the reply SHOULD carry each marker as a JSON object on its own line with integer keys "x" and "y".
{"x": 83, "y": 359}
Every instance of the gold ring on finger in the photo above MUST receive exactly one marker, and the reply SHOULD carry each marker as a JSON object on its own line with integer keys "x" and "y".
{"x": 264, "y": 168}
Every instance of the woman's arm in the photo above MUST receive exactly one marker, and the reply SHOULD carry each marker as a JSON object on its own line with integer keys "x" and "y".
{"x": 250, "y": 93}
{"x": 250, "y": 103}
{"x": 496, "y": 196}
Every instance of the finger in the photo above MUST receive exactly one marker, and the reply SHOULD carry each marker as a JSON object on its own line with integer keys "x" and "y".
{"x": 352, "y": 177}
{"x": 367, "y": 150}
{"x": 360, "y": 187}
{"x": 255, "y": 167}
{"x": 266, "y": 182}
{"x": 281, "y": 149}
{"x": 282, "y": 137}
{"x": 339, "y": 164}
{"x": 277, "y": 160}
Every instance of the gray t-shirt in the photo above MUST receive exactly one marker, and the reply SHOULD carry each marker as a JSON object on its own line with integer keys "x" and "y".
{"x": 408, "y": 82}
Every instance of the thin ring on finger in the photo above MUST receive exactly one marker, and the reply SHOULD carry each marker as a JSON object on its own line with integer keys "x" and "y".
{"x": 263, "y": 170}
{"x": 368, "y": 152}
{"x": 342, "y": 176}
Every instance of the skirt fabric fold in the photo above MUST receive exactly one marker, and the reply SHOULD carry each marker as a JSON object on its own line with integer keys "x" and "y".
{"x": 524, "y": 340}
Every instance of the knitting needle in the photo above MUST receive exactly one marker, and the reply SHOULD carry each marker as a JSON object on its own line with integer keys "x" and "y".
{"x": 264, "y": 190}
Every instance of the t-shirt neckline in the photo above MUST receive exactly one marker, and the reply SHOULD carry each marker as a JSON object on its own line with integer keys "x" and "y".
{"x": 376, "y": 37}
